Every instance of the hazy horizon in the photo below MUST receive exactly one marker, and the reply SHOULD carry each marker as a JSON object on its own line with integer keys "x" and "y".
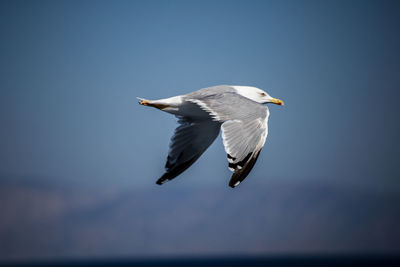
{"x": 56, "y": 222}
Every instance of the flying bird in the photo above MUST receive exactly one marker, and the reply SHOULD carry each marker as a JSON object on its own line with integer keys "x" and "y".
{"x": 238, "y": 110}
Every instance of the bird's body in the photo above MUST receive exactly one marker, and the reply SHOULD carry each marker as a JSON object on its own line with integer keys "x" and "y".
{"x": 237, "y": 110}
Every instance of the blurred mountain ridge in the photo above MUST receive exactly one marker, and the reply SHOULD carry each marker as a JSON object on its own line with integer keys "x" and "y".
{"x": 41, "y": 220}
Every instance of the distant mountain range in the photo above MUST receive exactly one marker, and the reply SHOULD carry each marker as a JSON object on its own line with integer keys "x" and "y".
{"x": 48, "y": 221}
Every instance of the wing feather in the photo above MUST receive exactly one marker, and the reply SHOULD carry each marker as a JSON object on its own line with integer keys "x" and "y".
{"x": 188, "y": 143}
{"x": 244, "y": 129}
{"x": 243, "y": 143}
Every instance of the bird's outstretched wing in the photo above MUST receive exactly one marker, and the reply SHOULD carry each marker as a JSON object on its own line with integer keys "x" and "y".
{"x": 243, "y": 142}
{"x": 189, "y": 141}
{"x": 244, "y": 129}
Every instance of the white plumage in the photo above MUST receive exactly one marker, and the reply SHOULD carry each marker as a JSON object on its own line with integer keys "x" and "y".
{"x": 237, "y": 110}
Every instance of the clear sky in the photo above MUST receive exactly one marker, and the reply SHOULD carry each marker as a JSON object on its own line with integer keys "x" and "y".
{"x": 70, "y": 72}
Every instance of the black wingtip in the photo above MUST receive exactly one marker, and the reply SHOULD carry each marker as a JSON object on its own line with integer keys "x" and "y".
{"x": 234, "y": 185}
{"x": 240, "y": 174}
{"x": 176, "y": 170}
{"x": 163, "y": 179}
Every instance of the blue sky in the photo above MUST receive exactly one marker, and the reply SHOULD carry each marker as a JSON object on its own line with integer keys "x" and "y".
{"x": 70, "y": 72}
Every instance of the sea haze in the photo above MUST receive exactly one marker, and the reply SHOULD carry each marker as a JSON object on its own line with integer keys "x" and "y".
{"x": 45, "y": 221}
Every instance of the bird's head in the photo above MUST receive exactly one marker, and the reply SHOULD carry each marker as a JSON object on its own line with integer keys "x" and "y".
{"x": 257, "y": 95}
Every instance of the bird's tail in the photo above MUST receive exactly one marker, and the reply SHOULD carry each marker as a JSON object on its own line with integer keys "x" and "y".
{"x": 151, "y": 103}
{"x": 145, "y": 102}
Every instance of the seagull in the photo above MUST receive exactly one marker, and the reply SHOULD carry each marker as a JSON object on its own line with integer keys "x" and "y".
{"x": 238, "y": 110}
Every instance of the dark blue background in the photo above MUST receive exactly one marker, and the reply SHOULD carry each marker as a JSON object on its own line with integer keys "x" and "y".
{"x": 70, "y": 72}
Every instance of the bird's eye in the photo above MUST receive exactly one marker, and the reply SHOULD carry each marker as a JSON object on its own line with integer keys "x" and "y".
{"x": 262, "y": 94}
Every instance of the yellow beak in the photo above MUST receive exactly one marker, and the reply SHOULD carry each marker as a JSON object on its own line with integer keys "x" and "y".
{"x": 276, "y": 101}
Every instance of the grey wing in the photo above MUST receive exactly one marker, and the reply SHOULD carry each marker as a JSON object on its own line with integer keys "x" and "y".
{"x": 243, "y": 142}
{"x": 244, "y": 130}
{"x": 189, "y": 141}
